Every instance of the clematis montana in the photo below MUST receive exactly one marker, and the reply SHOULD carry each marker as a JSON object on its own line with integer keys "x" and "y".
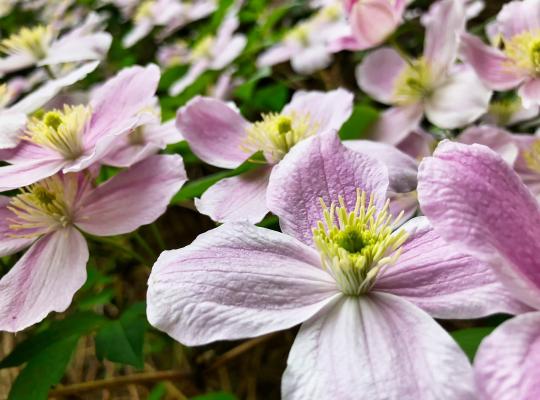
{"x": 40, "y": 46}
{"x": 47, "y": 217}
{"x": 13, "y": 117}
{"x": 213, "y": 52}
{"x": 450, "y": 95}
{"x": 517, "y": 32}
{"x": 475, "y": 200}
{"x": 71, "y": 139}
{"x": 220, "y": 136}
{"x": 362, "y": 291}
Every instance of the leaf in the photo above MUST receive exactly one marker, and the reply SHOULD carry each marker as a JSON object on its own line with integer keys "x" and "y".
{"x": 469, "y": 339}
{"x": 215, "y": 396}
{"x": 361, "y": 119}
{"x": 75, "y": 325}
{"x": 158, "y": 392}
{"x": 44, "y": 370}
{"x": 122, "y": 340}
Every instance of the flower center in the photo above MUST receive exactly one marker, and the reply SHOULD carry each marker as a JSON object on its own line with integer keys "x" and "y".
{"x": 355, "y": 245}
{"x": 524, "y": 51}
{"x": 503, "y": 110}
{"x": 532, "y": 157}
{"x": 34, "y": 41}
{"x": 203, "y": 49}
{"x": 60, "y": 131}
{"x": 43, "y": 207}
{"x": 300, "y": 34}
{"x": 276, "y": 134}
{"x": 144, "y": 10}
{"x": 414, "y": 83}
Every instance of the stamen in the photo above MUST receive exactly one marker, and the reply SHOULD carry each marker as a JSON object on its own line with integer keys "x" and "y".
{"x": 6, "y": 95}
{"x": 203, "y": 49}
{"x": 276, "y": 134}
{"x": 532, "y": 157}
{"x": 504, "y": 109}
{"x": 524, "y": 52}
{"x": 60, "y": 130}
{"x": 144, "y": 10}
{"x": 355, "y": 245}
{"x": 414, "y": 83}
{"x": 34, "y": 41}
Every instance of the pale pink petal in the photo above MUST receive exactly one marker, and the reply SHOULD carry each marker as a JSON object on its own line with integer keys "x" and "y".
{"x": 347, "y": 42}
{"x": 396, "y": 123}
{"x": 417, "y": 144}
{"x": 530, "y": 93}
{"x": 321, "y": 167}
{"x": 8, "y": 243}
{"x": 372, "y": 21}
{"x": 134, "y": 197}
{"x": 16, "y": 62}
{"x": 43, "y": 280}
{"x": 24, "y": 174}
{"x": 310, "y": 59}
{"x": 519, "y": 16}
{"x": 444, "y": 281}
{"x": 376, "y": 346}
{"x": 459, "y": 101}
{"x": 377, "y": 74}
{"x": 507, "y": 362}
{"x": 227, "y": 54}
{"x": 195, "y": 70}
{"x": 491, "y": 65}
{"x": 78, "y": 48}
{"x": 495, "y": 138}
{"x": 215, "y": 132}
{"x": 236, "y": 199}
{"x": 276, "y": 55}
{"x": 11, "y": 128}
{"x": 139, "y": 31}
{"x": 326, "y": 110}
{"x": 236, "y": 281}
{"x": 475, "y": 200}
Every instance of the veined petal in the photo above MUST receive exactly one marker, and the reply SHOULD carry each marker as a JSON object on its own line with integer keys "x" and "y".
{"x": 43, "y": 280}
{"x": 507, "y": 362}
{"x": 444, "y": 281}
{"x": 321, "y": 167}
{"x": 25, "y": 173}
{"x": 236, "y": 281}
{"x": 134, "y": 197}
{"x": 474, "y": 199}
{"x": 9, "y": 244}
{"x": 519, "y": 16}
{"x": 372, "y": 21}
{"x": 396, "y": 123}
{"x": 378, "y": 347}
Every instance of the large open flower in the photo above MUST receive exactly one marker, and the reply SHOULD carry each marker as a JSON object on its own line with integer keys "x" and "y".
{"x": 362, "y": 290}
{"x": 475, "y": 200}
{"x": 75, "y": 137}
{"x": 48, "y": 215}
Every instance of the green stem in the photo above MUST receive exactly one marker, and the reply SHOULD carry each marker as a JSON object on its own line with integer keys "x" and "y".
{"x": 113, "y": 243}
{"x": 145, "y": 245}
{"x": 157, "y": 236}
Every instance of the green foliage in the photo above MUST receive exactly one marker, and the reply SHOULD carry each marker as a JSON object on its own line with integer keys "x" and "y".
{"x": 215, "y": 396}
{"x": 469, "y": 339}
{"x": 357, "y": 125}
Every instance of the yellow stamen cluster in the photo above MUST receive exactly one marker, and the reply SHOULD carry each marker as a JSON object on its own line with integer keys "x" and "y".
{"x": 414, "y": 84}
{"x": 203, "y": 49}
{"x": 144, "y": 10}
{"x": 276, "y": 134}
{"x": 524, "y": 51}
{"x": 34, "y": 41}
{"x": 5, "y": 95}
{"x": 302, "y": 32}
{"x": 60, "y": 131}
{"x": 44, "y": 206}
{"x": 356, "y": 244}
{"x": 504, "y": 110}
{"x": 532, "y": 157}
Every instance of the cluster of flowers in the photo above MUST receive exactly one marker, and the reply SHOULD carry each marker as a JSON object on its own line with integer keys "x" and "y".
{"x": 354, "y": 264}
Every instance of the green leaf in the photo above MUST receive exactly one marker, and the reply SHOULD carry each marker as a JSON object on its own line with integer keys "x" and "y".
{"x": 215, "y": 396}
{"x": 158, "y": 392}
{"x": 122, "y": 340}
{"x": 361, "y": 119}
{"x": 469, "y": 339}
{"x": 44, "y": 370}
{"x": 75, "y": 325}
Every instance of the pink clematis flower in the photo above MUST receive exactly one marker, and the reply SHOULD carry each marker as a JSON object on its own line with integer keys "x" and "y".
{"x": 475, "y": 200}
{"x": 40, "y": 46}
{"x": 220, "y": 136}
{"x": 72, "y": 139}
{"x": 450, "y": 95}
{"x": 364, "y": 308}
{"x": 47, "y": 217}
{"x": 517, "y": 30}
{"x": 13, "y": 117}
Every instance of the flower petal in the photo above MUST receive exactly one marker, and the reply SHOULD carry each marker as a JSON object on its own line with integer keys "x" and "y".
{"x": 377, "y": 345}
{"x": 215, "y": 132}
{"x": 11, "y": 127}
{"x": 396, "y": 123}
{"x": 507, "y": 362}
{"x": 474, "y": 199}
{"x": 310, "y": 59}
{"x": 321, "y": 167}
{"x": 43, "y": 280}
{"x": 228, "y": 53}
{"x": 9, "y": 244}
{"x": 134, "y": 197}
{"x": 236, "y": 199}
{"x": 497, "y": 139}
{"x": 194, "y": 71}
{"x": 442, "y": 280}
{"x": 530, "y": 93}
{"x": 377, "y": 74}
{"x": 236, "y": 281}
{"x": 372, "y": 21}
{"x": 25, "y": 173}
{"x": 519, "y": 16}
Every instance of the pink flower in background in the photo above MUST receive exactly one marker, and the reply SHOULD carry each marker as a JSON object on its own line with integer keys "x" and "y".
{"x": 220, "y": 136}
{"x": 40, "y": 46}
{"x": 363, "y": 292}
{"x": 213, "y": 52}
{"x": 474, "y": 200}
{"x": 72, "y": 139}
{"x": 307, "y": 45}
{"x": 47, "y": 217}
{"x": 517, "y": 62}
{"x": 450, "y": 95}
{"x": 13, "y": 117}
